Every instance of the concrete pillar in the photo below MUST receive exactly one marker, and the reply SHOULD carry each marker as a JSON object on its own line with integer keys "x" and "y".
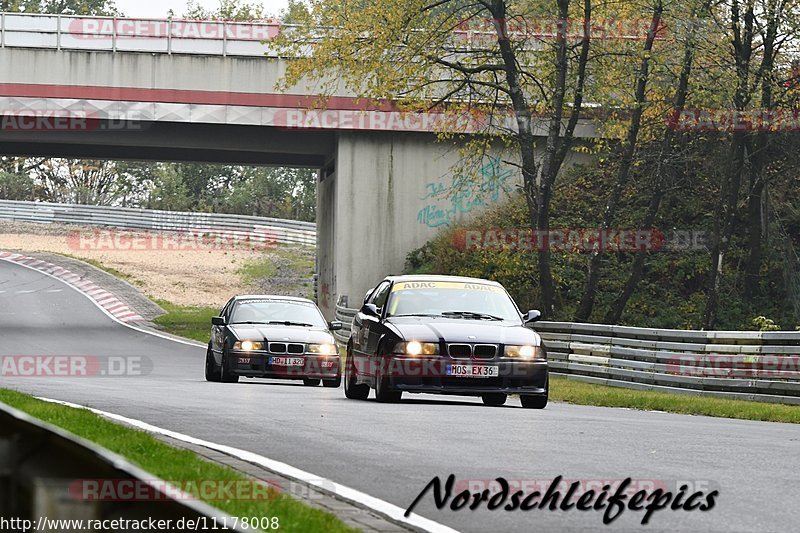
{"x": 393, "y": 192}
{"x": 326, "y": 225}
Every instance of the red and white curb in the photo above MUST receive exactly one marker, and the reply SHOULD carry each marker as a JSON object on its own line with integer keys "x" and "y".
{"x": 112, "y": 305}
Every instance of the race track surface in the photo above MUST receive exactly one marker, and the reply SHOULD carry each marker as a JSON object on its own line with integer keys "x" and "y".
{"x": 392, "y": 451}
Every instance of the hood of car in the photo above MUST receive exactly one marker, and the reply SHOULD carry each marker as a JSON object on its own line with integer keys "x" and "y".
{"x": 432, "y": 329}
{"x": 280, "y": 333}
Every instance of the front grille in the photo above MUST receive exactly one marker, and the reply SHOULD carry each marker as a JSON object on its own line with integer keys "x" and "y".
{"x": 459, "y": 350}
{"x": 282, "y": 347}
{"x": 485, "y": 351}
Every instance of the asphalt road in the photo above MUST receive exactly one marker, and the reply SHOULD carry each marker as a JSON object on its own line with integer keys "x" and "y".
{"x": 393, "y": 451}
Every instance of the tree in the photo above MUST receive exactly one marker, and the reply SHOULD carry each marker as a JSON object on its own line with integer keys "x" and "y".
{"x": 483, "y": 58}
{"x": 627, "y": 156}
{"x": 78, "y": 181}
{"x": 759, "y": 31}
{"x": 16, "y": 186}
{"x": 664, "y": 156}
{"x": 227, "y": 10}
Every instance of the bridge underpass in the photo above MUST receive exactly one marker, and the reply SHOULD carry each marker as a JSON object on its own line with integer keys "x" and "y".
{"x": 385, "y": 183}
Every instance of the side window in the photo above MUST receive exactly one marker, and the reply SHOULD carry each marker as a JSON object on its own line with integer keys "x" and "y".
{"x": 380, "y": 295}
{"x": 226, "y": 311}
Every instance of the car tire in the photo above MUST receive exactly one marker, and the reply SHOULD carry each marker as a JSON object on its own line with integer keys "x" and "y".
{"x": 495, "y": 399}
{"x": 332, "y": 383}
{"x": 539, "y": 401}
{"x": 352, "y": 389}
{"x": 534, "y": 402}
{"x": 225, "y": 374}
{"x": 310, "y": 382}
{"x": 382, "y": 391}
{"x": 212, "y": 369}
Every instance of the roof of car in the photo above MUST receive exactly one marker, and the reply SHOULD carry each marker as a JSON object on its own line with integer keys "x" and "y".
{"x": 439, "y": 277}
{"x": 271, "y": 297}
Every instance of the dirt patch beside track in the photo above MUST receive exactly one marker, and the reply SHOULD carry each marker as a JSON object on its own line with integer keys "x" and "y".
{"x": 198, "y": 277}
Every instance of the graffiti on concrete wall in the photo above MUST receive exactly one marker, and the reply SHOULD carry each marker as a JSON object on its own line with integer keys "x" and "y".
{"x": 448, "y": 199}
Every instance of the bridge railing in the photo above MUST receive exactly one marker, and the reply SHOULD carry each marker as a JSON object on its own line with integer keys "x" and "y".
{"x": 258, "y": 230}
{"x": 48, "y": 473}
{"x": 169, "y": 36}
{"x": 751, "y": 365}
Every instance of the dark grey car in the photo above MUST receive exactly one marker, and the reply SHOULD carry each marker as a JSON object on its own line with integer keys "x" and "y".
{"x": 262, "y": 336}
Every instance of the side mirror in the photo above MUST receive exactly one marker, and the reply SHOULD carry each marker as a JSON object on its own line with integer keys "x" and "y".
{"x": 218, "y": 320}
{"x": 533, "y": 315}
{"x": 370, "y": 310}
{"x": 334, "y": 325}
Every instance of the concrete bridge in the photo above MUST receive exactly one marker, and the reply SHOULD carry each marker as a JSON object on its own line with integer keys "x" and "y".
{"x": 178, "y": 90}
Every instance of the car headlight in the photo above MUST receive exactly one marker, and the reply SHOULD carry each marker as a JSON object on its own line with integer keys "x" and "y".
{"x": 322, "y": 349}
{"x": 248, "y": 346}
{"x": 416, "y": 348}
{"x": 525, "y": 351}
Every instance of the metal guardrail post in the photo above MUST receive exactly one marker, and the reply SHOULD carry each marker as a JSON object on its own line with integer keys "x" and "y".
{"x": 114, "y": 34}
{"x": 224, "y": 38}
{"x": 169, "y": 35}
{"x": 3, "y": 30}
{"x": 58, "y": 32}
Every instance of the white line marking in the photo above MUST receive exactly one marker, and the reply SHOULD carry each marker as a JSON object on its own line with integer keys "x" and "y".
{"x": 54, "y": 290}
{"x": 388, "y": 509}
{"x": 27, "y": 291}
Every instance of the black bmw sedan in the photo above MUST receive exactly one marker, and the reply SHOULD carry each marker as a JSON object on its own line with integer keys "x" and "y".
{"x": 445, "y": 335}
{"x": 273, "y": 337}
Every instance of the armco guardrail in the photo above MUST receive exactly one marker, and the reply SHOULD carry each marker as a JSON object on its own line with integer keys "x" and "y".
{"x": 750, "y": 365}
{"x": 48, "y": 475}
{"x": 237, "y": 226}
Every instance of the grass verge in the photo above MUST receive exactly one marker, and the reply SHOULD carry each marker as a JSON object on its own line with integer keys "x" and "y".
{"x": 577, "y": 392}
{"x": 253, "y": 270}
{"x": 186, "y": 321}
{"x": 173, "y": 464}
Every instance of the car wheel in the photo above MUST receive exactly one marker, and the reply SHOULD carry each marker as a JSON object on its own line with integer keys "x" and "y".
{"x": 382, "y": 391}
{"x": 332, "y": 383}
{"x": 352, "y": 389}
{"x": 212, "y": 370}
{"x": 495, "y": 399}
{"x": 225, "y": 373}
{"x": 539, "y": 401}
{"x": 310, "y": 382}
{"x": 534, "y": 402}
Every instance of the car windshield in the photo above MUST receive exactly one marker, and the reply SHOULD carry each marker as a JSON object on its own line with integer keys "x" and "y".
{"x": 277, "y": 311}
{"x": 452, "y": 299}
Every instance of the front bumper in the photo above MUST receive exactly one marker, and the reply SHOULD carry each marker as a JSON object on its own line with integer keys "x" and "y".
{"x": 266, "y": 365}
{"x": 433, "y": 375}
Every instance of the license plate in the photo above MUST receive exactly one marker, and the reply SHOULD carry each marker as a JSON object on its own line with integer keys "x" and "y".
{"x": 286, "y": 361}
{"x": 473, "y": 371}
